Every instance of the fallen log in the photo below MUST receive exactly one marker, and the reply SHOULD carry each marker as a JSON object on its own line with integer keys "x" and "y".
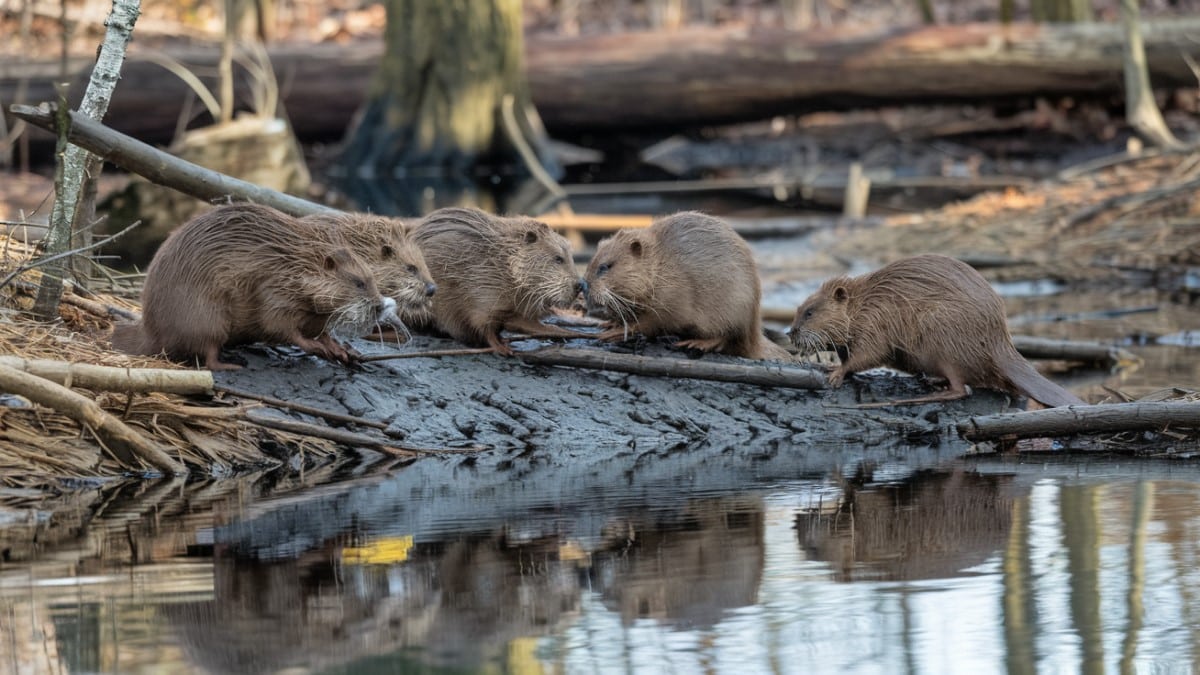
{"x": 109, "y": 378}
{"x": 130, "y": 447}
{"x": 1072, "y": 350}
{"x": 690, "y": 77}
{"x": 1077, "y": 419}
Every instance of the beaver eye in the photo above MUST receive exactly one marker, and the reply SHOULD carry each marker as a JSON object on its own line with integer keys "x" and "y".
{"x": 388, "y": 251}
{"x": 412, "y": 269}
{"x": 603, "y": 269}
{"x": 558, "y": 260}
{"x": 362, "y": 285}
{"x": 808, "y": 314}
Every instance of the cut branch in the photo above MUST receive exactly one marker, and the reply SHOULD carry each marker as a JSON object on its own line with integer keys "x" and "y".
{"x": 1113, "y": 417}
{"x": 128, "y": 445}
{"x": 109, "y": 378}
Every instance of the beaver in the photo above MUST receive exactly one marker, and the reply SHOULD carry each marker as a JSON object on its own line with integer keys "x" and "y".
{"x": 495, "y": 273}
{"x": 926, "y": 314}
{"x": 689, "y": 275}
{"x": 388, "y": 248}
{"x": 248, "y": 273}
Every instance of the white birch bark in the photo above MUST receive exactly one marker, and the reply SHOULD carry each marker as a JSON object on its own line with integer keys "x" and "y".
{"x": 78, "y": 165}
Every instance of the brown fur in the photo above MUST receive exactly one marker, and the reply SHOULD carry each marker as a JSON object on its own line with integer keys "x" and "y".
{"x": 927, "y": 314}
{"x": 247, "y": 273}
{"x": 688, "y": 275}
{"x": 388, "y": 247}
{"x": 495, "y": 273}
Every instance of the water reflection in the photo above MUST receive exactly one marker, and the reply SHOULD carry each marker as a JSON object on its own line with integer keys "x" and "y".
{"x": 873, "y": 567}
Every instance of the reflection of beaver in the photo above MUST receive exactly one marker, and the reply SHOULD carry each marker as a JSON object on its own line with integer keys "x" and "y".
{"x": 495, "y": 273}
{"x": 246, "y": 273}
{"x": 387, "y": 246}
{"x": 688, "y": 275}
{"x": 927, "y": 314}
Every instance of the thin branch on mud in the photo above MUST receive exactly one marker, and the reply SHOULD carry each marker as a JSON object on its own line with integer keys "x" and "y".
{"x": 65, "y": 254}
{"x": 350, "y": 438}
{"x": 342, "y": 418}
{"x": 765, "y": 373}
{"x": 426, "y": 354}
{"x": 1107, "y": 418}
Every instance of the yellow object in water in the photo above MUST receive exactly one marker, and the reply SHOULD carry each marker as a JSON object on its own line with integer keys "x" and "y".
{"x": 380, "y": 552}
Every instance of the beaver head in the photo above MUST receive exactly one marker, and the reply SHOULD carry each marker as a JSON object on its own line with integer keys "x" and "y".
{"x": 823, "y": 320}
{"x": 542, "y": 268}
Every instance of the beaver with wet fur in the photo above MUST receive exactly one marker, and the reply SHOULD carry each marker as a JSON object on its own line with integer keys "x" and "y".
{"x": 495, "y": 273}
{"x": 927, "y": 314}
{"x": 689, "y": 275}
{"x": 245, "y": 273}
{"x": 390, "y": 251}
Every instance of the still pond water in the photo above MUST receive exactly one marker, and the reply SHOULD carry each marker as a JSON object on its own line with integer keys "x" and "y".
{"x": 921, "y": 561}
{"x": 972, "y": 566}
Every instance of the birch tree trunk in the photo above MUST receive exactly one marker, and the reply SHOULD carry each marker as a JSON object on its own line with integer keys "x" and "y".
{"x": 78, "y": 166}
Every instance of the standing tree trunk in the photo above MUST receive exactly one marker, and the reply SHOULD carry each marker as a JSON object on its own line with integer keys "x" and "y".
{"x": 78, "y": 168}
{"x": 436, "y": 101}
{"x": 1141, "y": 111}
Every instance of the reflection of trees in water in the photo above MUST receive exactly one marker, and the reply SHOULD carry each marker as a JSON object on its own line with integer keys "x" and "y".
{"x": 690, "y": 570}
{"x": 463, "y": 602}
{"x": 932, "y": 524}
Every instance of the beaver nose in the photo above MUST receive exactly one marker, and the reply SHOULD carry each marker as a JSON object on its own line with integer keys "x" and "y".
{"x": 581, "y": 286}
{"x": 430, "y": 289}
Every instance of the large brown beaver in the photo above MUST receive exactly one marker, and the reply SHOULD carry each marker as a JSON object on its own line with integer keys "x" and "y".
{"x": 495, "y": 273}
{"x": 688, "y": 275}
{"x": 927, "y": 314}
{"x": 388, "y": 248}
{"x": 247, "y": 273}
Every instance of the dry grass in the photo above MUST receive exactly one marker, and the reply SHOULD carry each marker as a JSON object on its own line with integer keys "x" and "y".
{"x": 1141, "y": 214}
{"x": 40, "y": 447}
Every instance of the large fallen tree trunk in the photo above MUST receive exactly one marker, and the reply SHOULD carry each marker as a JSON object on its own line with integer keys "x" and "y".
{"x": 697, "y": 76}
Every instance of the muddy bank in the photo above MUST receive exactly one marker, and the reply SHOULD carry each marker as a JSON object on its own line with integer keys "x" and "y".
{"x": 503, "y": 403}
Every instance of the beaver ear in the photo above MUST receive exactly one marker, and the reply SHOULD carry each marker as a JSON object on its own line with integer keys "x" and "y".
{"x": 635, "y": 247}
{"x": 531, "y": 237}
{"x": 840, "y": 294}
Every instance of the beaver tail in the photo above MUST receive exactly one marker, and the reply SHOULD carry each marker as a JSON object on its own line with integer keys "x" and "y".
{"x": 131, "y": 338}
{"x": 1030, "y": 382}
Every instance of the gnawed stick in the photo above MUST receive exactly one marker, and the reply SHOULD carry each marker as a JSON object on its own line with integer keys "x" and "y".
{"x": 111, "y": 378}
{"x": 765, "y": 373}
{"x": 1112, "y": 417}
{"x": 124, "y": 441}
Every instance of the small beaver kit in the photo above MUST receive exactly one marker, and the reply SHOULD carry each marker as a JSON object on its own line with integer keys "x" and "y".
{"x": 688, "y": 275}
{"x": 927, "y": 314}
{"x": 386, "y": 245}
{"x": 245, "y": 273}
{"x": 495, "y": 273}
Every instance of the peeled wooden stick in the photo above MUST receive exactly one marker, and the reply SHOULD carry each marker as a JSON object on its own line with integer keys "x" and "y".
{"x": 124, "y": 441}
{"x": 110, "y": 378}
